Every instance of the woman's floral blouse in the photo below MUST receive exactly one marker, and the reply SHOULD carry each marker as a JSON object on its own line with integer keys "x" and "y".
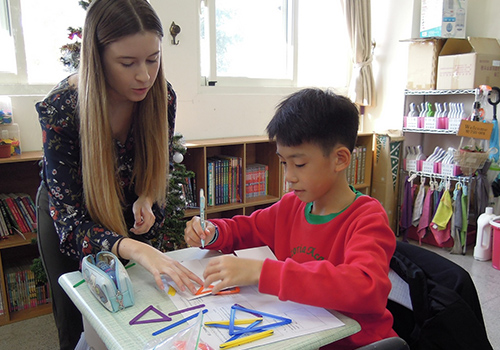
{"x": 61, "y": 173}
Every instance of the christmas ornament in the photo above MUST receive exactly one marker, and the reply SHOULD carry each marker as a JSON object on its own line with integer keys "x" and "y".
{"x": 178, "y": 157}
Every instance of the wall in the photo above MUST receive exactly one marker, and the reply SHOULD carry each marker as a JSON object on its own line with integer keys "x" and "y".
{"x": 394, "y": 20}
{"x": 208, "y": 112}
{"x": 211, "y": 112}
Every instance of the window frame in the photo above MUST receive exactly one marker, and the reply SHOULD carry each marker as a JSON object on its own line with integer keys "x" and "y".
{"x": 16, "y": 32}
{"x": 245, "y": 82}
{"x": 251, "y": 84}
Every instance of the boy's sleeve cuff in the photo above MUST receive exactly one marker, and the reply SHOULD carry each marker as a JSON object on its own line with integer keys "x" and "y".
{"x": 270, "y": 277}
{"x": 216, "y": 235}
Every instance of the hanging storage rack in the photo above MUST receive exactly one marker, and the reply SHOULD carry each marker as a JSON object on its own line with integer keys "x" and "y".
{"x": 433, "y": 176}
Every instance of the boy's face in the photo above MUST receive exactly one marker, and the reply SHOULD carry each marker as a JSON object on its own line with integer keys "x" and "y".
{"x": 310, "y": 173}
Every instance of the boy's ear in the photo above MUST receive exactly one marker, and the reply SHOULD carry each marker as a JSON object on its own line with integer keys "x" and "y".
{"x": 343, "y": 158}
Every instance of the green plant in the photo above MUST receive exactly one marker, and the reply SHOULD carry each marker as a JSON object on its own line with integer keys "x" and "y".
{"x": 37, "y": 268}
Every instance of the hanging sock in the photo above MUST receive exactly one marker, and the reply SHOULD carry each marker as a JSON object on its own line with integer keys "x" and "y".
{"x": 441, "y": 236}
{"x": 436, "y": 199}
{"x": 481, "y": 192}
{"x": 419, "y": 202}
{"x": 406, "y": 209}
{"x": 456, "y": 219}
{"x": 465, "y": 221}
{"x": 440, "y": 225}
{"x": 443, "y": 212}
{"x": 425, "y": 218}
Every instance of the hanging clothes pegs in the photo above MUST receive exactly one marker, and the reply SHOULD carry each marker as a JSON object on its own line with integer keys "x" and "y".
{"x": 441, "y": 185}
{"x": 412, "y": 177}
{"x": 422, "y": 179}
{"x": 458, "y": 186}
{"x": 448, "y": 183}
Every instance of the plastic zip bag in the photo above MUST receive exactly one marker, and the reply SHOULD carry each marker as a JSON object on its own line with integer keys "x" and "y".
{"x": 187, "y": 339}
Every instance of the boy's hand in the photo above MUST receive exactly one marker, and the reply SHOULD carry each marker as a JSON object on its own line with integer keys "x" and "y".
{"x": 193, "y": 234}
{"x": 232, "y": 271}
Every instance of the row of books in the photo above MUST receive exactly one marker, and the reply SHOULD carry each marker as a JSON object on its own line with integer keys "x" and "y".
{"x": 17, "y": 214}
{"x": 356, "y": 169}
{"x": 22, "y": 290}
{"x": 224, "y": 180}
{"x": 257, "y": 179}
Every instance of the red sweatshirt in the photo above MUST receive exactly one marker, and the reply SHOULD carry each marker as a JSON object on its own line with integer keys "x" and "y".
{"x": 342, "y": 260}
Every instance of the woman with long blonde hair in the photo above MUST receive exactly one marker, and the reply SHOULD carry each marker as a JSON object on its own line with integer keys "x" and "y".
{"x": 106, "y": 154}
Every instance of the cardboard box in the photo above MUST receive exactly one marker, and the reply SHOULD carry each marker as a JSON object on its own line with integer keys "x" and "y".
{"x": 468, "y": 63}
{"x": 443, "y": 18}
{"x": 423, "y": 57}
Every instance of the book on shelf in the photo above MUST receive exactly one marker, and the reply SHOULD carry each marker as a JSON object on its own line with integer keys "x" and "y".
{"x": 256, "y": 182}
{"x": 24, "y": 214}
{"x": 224, "y": 178}
{"x": 356, "y": 170}
{"x": 4, "y": 230}
{"x": 17, "y": 214}
{"x": 189, "y": 190}
{"x": 22, "y": 290}
{"x": 29, "y": 206}
{"x": 9, "y": 214}
{"x": 6, "y": 220}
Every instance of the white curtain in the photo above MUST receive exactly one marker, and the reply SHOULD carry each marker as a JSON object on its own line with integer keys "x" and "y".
{"x": 358, "y": 18}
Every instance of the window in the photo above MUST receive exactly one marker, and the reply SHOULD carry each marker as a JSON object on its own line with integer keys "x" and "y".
{"x": 8, "y": 57}
{"x": 274, "y": 43}
{"x": 36, "y": 39}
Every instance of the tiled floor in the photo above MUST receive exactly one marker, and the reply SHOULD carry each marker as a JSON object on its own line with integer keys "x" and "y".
{"x": 40, "y": 333}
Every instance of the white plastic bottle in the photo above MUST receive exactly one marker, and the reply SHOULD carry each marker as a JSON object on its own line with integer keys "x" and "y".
{"x": 482, "y": 250}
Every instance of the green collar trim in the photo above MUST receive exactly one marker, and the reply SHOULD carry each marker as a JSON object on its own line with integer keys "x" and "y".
{"x": 323, "y": 219}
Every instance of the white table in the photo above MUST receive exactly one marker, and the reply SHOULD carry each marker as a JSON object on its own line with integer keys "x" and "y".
{"x": 116, "y": 333}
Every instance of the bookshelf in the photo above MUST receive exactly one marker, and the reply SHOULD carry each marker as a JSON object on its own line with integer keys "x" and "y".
{"x": 253, "y": 149}
{"x": 365, "y": 141}
{"x": 19, "y": 174}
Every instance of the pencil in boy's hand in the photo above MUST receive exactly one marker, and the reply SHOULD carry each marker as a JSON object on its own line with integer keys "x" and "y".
{"x": 202, "y": 214}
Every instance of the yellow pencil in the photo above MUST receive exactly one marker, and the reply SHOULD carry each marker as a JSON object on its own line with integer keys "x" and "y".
{"x": 241, "y": 321}
{"x": 245, "y": 340}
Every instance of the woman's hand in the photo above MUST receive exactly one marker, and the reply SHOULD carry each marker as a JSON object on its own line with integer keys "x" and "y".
{"x": 158, "y": 264}
{"x": 143, "y": 215}
{"x": 232, "y": 271}
{"x": 193, "y": 233}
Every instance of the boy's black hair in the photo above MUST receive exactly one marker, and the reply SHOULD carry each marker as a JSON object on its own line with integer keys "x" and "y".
{"x": 315, "y": 116}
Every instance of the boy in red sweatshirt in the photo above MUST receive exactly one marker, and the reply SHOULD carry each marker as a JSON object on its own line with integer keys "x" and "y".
{"x": 330, "y": 239}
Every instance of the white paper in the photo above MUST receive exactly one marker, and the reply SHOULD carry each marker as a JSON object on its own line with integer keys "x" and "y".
{"x": 305, "y": 319}
{"x": 259, "y": 253}
{"x": 400, "y": 291}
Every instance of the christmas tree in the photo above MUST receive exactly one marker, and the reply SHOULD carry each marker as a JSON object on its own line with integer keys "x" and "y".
{"x": 71, "y": 51}
{"x": 171, "y": 236}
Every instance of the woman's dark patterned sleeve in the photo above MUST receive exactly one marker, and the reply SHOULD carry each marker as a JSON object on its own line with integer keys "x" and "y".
{"x": 79, "y": 235}
{"x": 172, "y": 110}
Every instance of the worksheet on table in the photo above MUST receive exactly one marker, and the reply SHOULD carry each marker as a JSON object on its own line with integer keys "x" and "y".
{"x": 305, "y": 319}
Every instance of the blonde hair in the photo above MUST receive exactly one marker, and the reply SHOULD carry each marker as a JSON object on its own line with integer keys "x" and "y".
{"x": 106, "y": 22}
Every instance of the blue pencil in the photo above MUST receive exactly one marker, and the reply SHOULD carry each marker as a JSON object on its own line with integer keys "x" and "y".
{"x": 179, "y": 322}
